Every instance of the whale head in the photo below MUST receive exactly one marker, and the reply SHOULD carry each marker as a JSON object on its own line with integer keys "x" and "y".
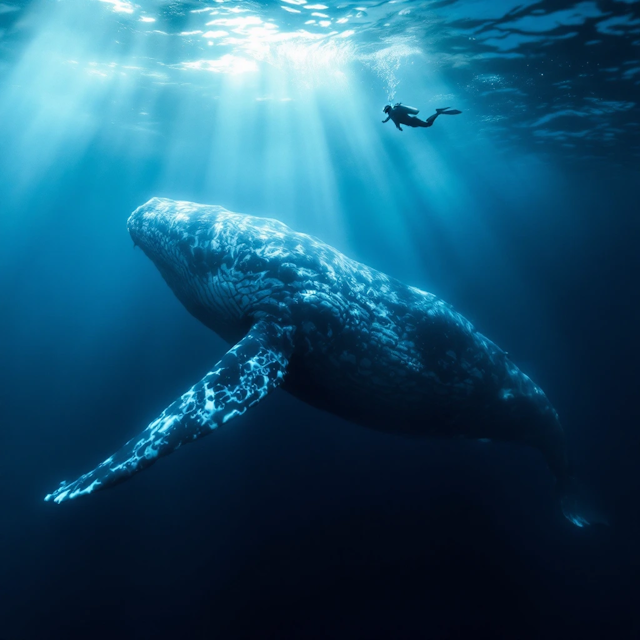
{"x": 219, "y": 264}
{"x": 192, "y": 247}
{"x": 170, "y": 231}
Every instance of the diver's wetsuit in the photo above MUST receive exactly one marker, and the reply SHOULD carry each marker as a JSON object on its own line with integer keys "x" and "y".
{"x": 399, "y": 114}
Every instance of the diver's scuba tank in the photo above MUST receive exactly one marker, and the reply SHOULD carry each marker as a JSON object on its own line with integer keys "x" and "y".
{"x": 405, "y": 109}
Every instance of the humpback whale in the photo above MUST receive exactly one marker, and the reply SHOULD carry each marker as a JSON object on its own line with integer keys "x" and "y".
{"x": 333, "y": 332}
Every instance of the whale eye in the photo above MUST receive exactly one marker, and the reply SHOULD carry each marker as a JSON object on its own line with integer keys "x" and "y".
{"x": 254, "y": 264}
{"x": 287, "y": 273}
{"x": 185, "y": 244}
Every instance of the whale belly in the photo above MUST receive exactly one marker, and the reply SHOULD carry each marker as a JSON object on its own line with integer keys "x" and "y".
{"x": 387, "y": 390}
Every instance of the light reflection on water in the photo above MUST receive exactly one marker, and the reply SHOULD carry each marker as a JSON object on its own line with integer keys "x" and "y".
{"x": 555, "y": 74}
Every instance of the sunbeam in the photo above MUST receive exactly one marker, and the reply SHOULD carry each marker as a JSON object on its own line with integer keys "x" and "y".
{"x": 459, "y": 184}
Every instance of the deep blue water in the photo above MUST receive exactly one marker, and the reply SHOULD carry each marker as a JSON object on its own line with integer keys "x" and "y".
{"x": 522, "y": 212}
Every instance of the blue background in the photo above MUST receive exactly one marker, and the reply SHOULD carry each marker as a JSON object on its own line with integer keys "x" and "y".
{"x": 291, "y": 523}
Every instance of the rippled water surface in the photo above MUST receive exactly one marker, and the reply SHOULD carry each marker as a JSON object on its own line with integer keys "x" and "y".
{"x": 558, "y": 74}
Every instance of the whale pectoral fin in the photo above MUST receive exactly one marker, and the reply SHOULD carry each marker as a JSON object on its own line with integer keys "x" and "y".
{"x": 246, "y": 373}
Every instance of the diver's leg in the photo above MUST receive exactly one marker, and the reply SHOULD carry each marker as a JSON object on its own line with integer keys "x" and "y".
{"x": 432, "y": 119}
{"x": 412, "y": 121}
{"x": 442, "y": 112}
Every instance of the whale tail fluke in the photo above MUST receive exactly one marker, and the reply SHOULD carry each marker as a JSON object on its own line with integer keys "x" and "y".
{"x": 576, "y": 511}
{"x": 572, "y": 511}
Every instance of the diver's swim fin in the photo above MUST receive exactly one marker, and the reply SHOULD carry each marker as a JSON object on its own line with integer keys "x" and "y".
{"x": 447, "y": 111}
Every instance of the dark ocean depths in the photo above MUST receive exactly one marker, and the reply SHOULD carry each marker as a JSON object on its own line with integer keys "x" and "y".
{"x": 523, "y": 212}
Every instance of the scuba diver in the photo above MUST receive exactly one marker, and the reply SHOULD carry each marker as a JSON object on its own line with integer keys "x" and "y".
{"x": 401, "y": 114}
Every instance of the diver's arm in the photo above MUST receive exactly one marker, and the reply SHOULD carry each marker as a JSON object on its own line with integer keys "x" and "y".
{"x": 387, "y": 120}
{"x": 398, "y": 126}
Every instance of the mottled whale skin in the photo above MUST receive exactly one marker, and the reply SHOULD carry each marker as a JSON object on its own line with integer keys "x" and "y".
{"x": 333, "y": 332}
